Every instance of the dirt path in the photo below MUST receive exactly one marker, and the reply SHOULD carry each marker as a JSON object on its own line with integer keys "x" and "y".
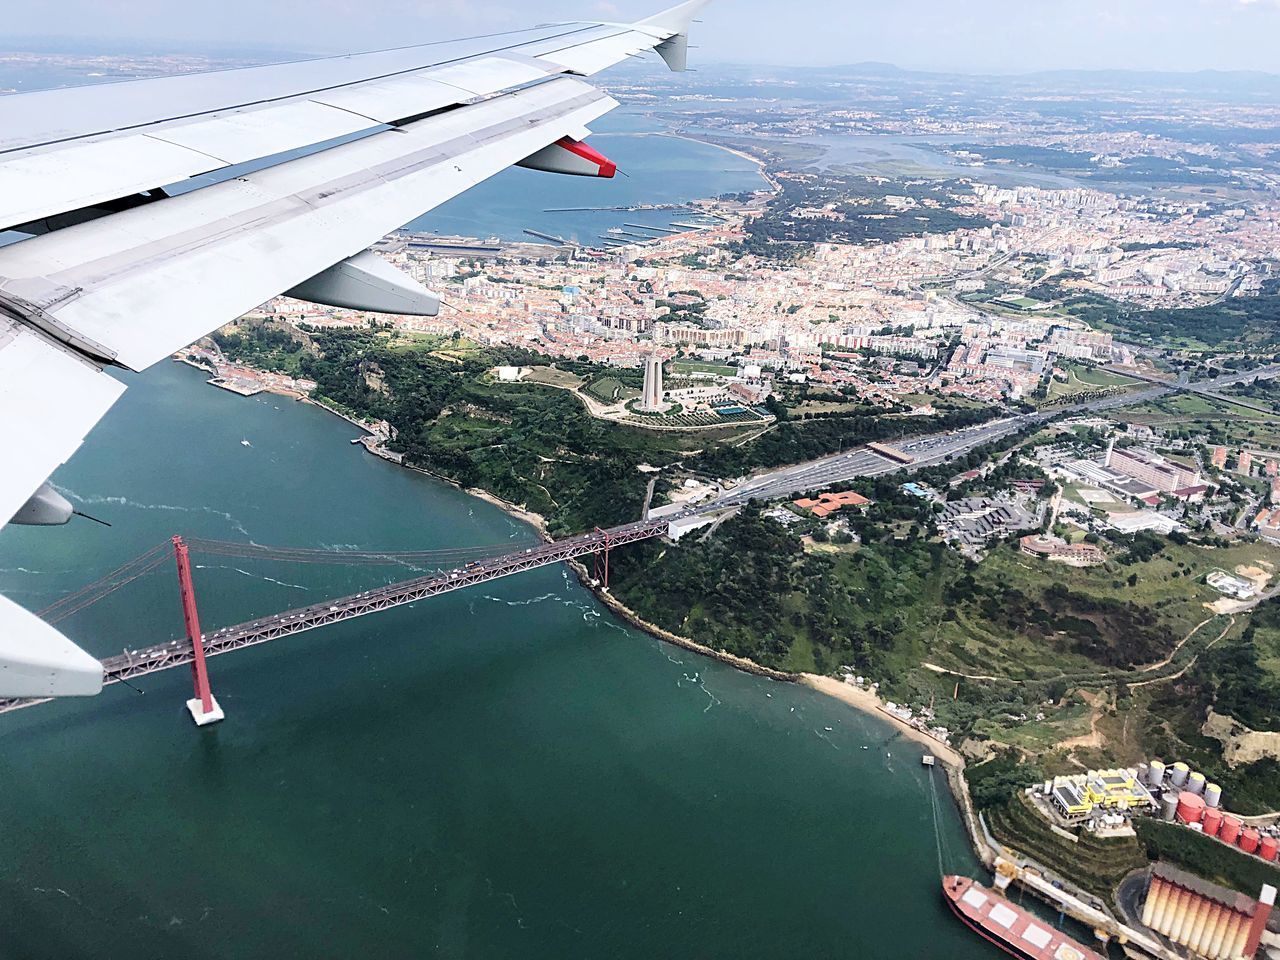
{"x": 968, "y": 676}
{"x": 1174, "y": 676}
{"x": 1181, "y": 643}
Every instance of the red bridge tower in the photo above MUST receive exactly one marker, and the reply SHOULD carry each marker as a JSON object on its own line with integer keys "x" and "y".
{"x": 204, "y": 709}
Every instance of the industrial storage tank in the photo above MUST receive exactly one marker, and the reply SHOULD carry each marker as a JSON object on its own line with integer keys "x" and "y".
{"x": 1229, "y": 832}
{"x": 1178, "y": 774}
{"x": 1212, "y": 795}
{"x": 1212, "y": 821}
{"x": 1249, "y": 840}
{"x": 1155, "y": 773}
{"x": 1168, "y": 805}
{"x": 1269, "y": 848}
{"x": 1190, "y": 807}
{"x": 1195, "y": 782}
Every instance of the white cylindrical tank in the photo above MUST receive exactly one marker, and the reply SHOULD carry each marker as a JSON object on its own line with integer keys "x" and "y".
{"x": 1212, "y": 795}
{"x": 1195, "y": 782}
{"x": 1168, "y": 805}
{"x": 1155, "y": 773}
{"x": 1178, "y": 774}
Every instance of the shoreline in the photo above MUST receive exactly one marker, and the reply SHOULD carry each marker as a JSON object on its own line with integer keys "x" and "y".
{"x": 858, "y": 699}
{"x": 869, "y": 703}
{"x": 760, "y": 164}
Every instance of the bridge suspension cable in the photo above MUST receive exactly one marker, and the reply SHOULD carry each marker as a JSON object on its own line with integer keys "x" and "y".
{"x": 257, "y": 551}
{"x": 136, "y": 662}
{"x": 91, "y": 593}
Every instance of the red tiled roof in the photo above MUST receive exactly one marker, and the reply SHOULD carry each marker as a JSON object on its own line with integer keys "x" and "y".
{"x": 829, "y": 503}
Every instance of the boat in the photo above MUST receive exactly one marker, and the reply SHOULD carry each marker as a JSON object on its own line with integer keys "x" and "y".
{"x": 1007, "y": 925}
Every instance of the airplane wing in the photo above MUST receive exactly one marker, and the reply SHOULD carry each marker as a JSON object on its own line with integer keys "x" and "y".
{"x": 120, "y": 269}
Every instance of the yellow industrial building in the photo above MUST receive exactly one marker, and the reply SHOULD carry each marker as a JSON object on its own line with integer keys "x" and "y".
{"x": 1080, "y": 796}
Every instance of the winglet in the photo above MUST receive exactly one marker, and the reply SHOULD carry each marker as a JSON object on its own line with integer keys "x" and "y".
{"x": 673, "y": 20}
{"x": 672, "y": 26}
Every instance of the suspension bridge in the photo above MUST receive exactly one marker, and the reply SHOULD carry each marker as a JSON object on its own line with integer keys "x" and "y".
{"x": 474, "y": 565}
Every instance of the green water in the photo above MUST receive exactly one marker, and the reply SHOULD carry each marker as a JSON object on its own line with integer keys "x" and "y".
{"x": 505, "y": 772}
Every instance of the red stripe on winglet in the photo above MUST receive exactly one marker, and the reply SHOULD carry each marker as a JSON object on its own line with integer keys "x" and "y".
{"x": 607, "y": 167}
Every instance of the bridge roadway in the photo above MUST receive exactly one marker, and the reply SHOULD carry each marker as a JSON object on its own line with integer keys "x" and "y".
{"x": 176, "y": 653}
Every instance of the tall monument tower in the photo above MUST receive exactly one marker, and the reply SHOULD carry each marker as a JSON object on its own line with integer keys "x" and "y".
{"x": 651, "y": 399}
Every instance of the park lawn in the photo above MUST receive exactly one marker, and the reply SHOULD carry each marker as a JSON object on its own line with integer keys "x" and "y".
{"x": 553, "y": 377}
{"x": 611, "y": 390}
{"x": 1100, "y": 377}
{"x": 699, "y": 366}
{"x": 409, "y": 341}
{"x": 1082, "y": 378}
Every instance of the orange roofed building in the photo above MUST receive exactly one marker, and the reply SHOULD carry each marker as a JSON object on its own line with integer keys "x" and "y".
{"x": 829, "y": 503}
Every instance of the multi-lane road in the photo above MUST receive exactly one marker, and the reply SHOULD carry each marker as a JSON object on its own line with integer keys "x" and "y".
{"x": 930, "y": 449}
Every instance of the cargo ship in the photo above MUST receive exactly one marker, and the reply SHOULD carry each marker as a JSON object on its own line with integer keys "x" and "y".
{"x": 1007, "y": 925}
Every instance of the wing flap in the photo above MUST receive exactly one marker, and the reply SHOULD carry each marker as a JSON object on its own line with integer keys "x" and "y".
{"x": 49, "y": 400}
{"x": 54, "y": 180}
{"x": 147, "y": 281}
{"x": 38, "y": 661}
{"x": 250, "y": 134}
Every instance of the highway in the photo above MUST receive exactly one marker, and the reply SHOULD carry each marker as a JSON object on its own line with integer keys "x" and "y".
{"x": 930, "y": 449}
{"x": 926, "y": 450}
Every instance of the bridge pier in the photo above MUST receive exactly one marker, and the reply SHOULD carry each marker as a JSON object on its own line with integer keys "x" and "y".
{"x": 600, "y": 560}
{"x": 203, "y": 707}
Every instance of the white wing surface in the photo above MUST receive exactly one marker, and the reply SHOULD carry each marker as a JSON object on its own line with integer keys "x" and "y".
{"x": 118, "y": 271}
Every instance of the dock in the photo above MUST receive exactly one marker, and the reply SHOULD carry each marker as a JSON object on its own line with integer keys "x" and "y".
{"x": 633, "y": 208}
{"x": 245, "y": 388}
{"x": 550, "y": 237}
{"x": 645, "y": 226}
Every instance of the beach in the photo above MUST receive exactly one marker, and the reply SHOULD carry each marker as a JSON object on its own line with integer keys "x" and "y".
{"x": 868, "y": 702}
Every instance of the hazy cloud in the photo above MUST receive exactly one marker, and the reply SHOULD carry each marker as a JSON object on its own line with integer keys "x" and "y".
{"x": 994, "y": 35}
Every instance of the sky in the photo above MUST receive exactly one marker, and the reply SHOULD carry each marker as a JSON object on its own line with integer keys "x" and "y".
{"x": 999, "y": 36}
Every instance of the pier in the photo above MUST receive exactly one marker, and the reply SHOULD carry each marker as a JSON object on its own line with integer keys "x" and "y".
{"x": 645, "y": 226}
{"x": 634, "y": 208}
{"x": 551, "y": 237}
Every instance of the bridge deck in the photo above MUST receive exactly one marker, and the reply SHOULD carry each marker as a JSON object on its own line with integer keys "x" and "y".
{"x": 175, "y": 653}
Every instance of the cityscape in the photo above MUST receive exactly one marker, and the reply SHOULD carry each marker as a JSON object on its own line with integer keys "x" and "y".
{"x": 892, "y": 489}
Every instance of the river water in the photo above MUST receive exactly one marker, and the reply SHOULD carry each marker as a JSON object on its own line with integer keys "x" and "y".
{"x": 495, "y": 773}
